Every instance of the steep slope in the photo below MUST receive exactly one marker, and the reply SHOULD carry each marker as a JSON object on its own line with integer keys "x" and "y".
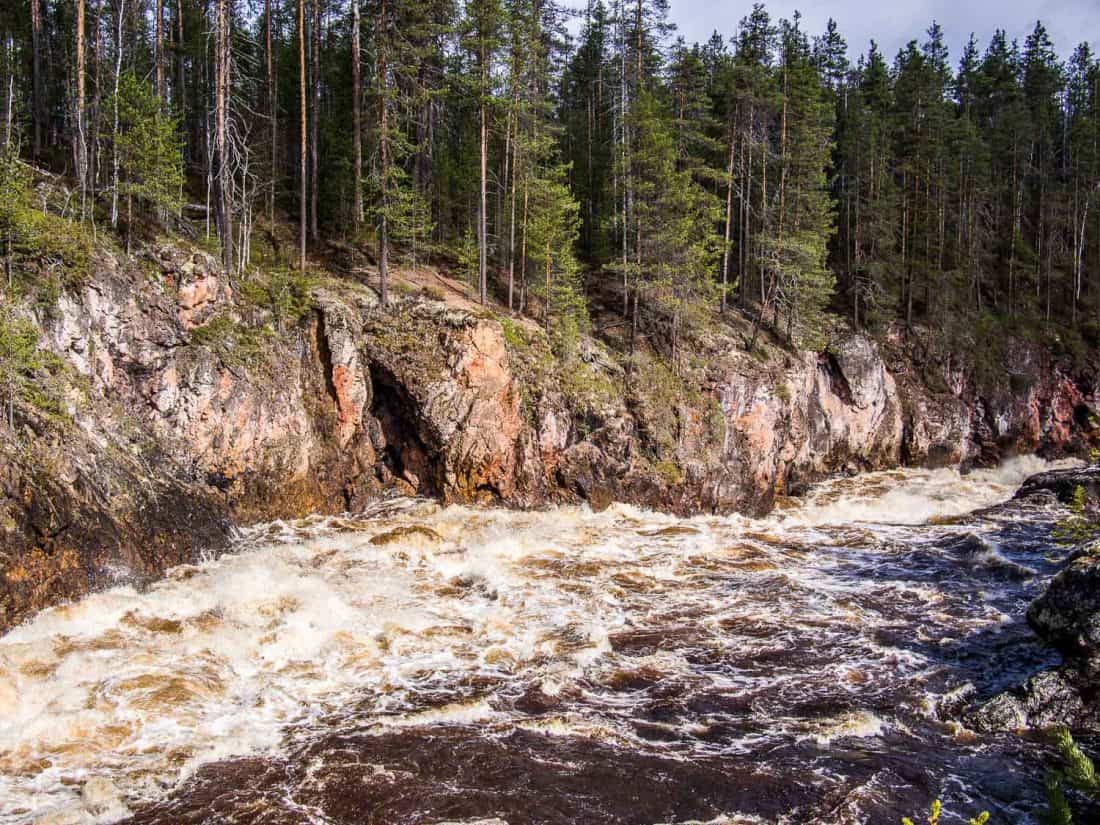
{"x": 183, "y": 404}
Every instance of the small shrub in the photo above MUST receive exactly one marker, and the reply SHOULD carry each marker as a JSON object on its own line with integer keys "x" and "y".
{"x": 434, "y": 293}
{"x": 34, "y": 240}
{"x": 1082, "y": 522}
{"x": 234, "y": 342}
{"x": 670, "y": 471}
{"x": 515, "y": 336}
{"x": 587, "y": 389}
{"x": 284, "y": 293}
{"x": 1077, "y": 771}
{"x": 937, "y": 810}
{"x": 28, "y": 373}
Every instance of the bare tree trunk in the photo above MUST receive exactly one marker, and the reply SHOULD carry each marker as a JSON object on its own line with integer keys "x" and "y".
{"x": 158, "y": 48}
{"x": 624, "y": 140}
{"x": 221, "y": 127}
{"x": 9, "y": 87}
{"x": 181, "y": 66}
{"x": 315, "y": 127}
{"x": 114, "y": 141}
{"x": 783, "y": 155}
{"x": 80, "y": 149}
{"x": 383, "y": 157}
{"x": 729, "y": 221}
{"x": 356, "y": 115}
{"x": 512, "y": 228}
{"x": 36, "y": 74}
{"x": 272, "y": 109}
{"x": 303, "y": 142}
{"x": 523, "y": 247}
{"x": 482, "y": 228}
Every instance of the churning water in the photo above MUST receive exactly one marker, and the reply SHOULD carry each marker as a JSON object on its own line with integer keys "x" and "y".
{"x": 421, "y": 664}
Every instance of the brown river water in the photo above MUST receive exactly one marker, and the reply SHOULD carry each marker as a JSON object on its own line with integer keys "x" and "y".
{"x": 422, "y": 664}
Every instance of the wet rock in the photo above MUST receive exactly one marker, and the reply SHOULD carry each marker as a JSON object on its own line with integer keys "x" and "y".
{"x": 1045, "y": 701}
{"x": 1063, "y": 484}
{"x": 414, "y": 531}
{"x": 1067, "y": 615}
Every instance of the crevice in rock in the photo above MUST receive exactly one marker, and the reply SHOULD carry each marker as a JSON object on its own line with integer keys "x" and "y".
{"x": 405, "y": 454}
{"x": 838, "y": 381}
{"x": 324, "y": 352}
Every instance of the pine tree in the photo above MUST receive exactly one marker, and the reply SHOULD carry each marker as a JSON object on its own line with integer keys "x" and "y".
{"x": 148, "y": 145}
{"x": 794, "y": 254}
{"x": 482, "y": 39}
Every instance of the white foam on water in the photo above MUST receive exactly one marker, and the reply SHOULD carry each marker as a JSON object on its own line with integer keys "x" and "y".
{"x": 912, "y": 496}
{"x": 311, "y": 620}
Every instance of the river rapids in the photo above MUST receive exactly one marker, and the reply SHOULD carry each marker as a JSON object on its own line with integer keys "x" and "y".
{"x": 426, "y": 664}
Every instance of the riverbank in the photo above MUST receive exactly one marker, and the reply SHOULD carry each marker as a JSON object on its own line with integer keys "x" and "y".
{"x": 175, "y": 405}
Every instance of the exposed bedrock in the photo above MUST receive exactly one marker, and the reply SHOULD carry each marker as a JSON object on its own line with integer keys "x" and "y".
{"x": 192, "y": 417}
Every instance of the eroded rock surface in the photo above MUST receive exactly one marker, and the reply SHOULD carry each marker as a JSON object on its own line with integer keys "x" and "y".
{"x": 199, "y": 410}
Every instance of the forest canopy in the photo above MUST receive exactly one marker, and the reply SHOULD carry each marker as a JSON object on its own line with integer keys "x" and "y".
{"x": 771, "y": 170}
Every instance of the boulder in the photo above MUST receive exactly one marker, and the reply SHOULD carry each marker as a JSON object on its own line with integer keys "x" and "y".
{"x": 1067, "y": 615}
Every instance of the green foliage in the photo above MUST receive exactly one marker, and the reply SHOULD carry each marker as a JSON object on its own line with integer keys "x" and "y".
{"x": 237, "y": 344}
{"x": 588, "y": 390}
{"x": 515, "y": 337}
{"x": 675, "y": 248}
{"x": 149, "y": 146}
{"x": 467, "y": 259}
{"x": 552, "y": 236}
{"x": 669, "y": 471}
{"x": 936, "y": 812}
{"x": 28, "y": 373}
{"x": 32, "y": 240}
{"x": 1077, "y": 771}
{"x": 284, "y": 293}
{"x": 1082, "y": 523}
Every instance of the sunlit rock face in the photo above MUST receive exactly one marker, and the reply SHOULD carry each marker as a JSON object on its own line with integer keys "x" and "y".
{"x": 190, "y": 406}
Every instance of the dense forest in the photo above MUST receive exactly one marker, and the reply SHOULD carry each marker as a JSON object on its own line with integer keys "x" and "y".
{"x": 761, "y": 172}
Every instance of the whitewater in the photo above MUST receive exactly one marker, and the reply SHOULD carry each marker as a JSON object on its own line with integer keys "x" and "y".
{"x": 447, "y": 664}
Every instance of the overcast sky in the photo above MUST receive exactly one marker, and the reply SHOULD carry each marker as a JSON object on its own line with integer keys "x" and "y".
{"x": 893, "y": 23}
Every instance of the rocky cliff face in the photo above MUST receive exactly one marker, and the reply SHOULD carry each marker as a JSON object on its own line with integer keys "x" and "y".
{"x": 195, "y": 408}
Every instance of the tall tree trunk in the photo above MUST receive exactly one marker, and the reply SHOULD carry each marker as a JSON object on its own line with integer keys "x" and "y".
{"x": 783, "y": 156}
{"x": 181, "y": 65}
{"x": 315, "y": 127}
{"x": 80, "y": 149}
{"x": 356, "y": 117}
{"x": 625, "y": 171}
{"x": 482, "y": 227}
{"x": 383, "y": 157}
{"x": 272, "y": 108}
{"x": 729, "y": 220}
{"x": 36, "y": 75}
{"x": 523, "y": 247}
{"x": 512, "y": 230}
{"x": 95, "y": 113}
{"x": 303, "y": 142}
{"x": 158, "y": 48}
{"x": 114, "y": 131}
{"x": 221, "y": 131}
